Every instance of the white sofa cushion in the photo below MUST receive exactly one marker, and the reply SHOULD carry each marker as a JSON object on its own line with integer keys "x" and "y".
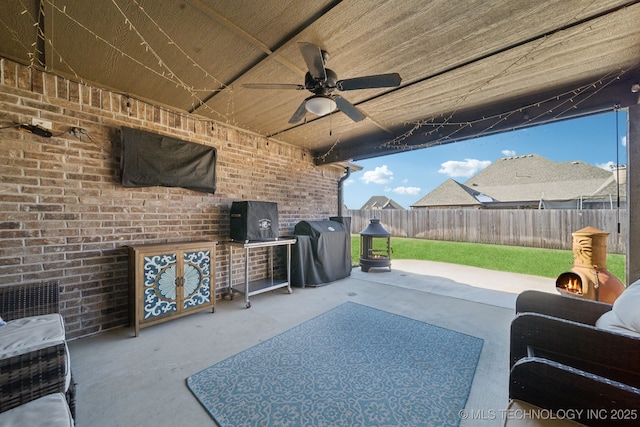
{"x": 48, "y": 411}
{"x": 20, "y": 336}
{"x": 624, "y": 316}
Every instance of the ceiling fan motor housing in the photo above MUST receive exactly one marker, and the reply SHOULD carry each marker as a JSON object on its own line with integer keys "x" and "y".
{"x": 318, "y": 86}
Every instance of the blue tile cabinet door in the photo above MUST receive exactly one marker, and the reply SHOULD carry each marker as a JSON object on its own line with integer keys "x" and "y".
{"x": 160, "y": 285}
{"x": 196, "y": 279}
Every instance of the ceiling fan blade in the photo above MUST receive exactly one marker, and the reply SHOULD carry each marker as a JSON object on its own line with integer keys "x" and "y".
{"x": 312, "y": 55}
{"x": 349, "y": 109}
{"x": 299, "y": 114}
{"x": 273, "y": 86}
{"x": 369, "y": 82}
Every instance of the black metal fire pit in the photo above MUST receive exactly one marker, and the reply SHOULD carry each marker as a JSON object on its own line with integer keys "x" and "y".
{"x": 375, "y": 246}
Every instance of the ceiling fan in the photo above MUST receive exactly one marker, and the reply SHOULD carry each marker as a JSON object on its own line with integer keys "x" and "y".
{"x": 322, "y": 82}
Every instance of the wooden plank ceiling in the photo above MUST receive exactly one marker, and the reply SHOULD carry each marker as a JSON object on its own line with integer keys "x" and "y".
{"x": 468, "y": 68}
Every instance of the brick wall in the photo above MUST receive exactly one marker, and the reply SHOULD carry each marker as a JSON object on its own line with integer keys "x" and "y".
{"x": 64, "y": 216}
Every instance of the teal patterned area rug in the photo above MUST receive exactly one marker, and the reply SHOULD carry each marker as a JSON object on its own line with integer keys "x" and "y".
{"x": 351, "y": 366}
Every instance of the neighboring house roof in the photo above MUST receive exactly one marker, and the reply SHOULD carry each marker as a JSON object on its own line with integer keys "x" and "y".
{"x": 526, "y": 180}
{"x": 610, "y": 187}
{"x": 533, "y": 177}
{"x": 381, "y": 202}
{"x": 451, "y": 193}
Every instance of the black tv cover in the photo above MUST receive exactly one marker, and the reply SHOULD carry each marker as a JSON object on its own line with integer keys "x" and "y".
{"x": 150, "y": 159}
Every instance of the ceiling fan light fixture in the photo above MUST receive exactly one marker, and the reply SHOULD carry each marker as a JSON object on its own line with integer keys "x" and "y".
{"x": 320, "y": 105}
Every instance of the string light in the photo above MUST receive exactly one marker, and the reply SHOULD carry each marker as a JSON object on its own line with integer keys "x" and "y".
{"x": 397, "y": 142}
{"x": 171, "y": 42}
{"x": 14, "y": 35}
{"x": 574, "y": 98}
{"x": 165, "y": 73}
{"x": 446, "y": 129}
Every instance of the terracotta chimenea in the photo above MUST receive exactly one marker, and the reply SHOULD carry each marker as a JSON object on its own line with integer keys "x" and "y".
{"x": 589, "y": 277}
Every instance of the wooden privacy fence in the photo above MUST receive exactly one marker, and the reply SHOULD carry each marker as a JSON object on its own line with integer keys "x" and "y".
{"x": 549, "y": 229}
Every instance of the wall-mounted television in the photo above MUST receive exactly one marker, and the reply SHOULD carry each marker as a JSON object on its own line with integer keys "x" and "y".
{"x": 148, "y": 159}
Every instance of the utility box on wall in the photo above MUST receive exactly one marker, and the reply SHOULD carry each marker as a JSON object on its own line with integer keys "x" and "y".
{"x": 253, "y": 220}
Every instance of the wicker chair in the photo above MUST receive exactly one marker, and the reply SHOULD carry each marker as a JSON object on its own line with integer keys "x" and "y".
{"x": 37, "y": 373}
{"x": 560, "y": 361}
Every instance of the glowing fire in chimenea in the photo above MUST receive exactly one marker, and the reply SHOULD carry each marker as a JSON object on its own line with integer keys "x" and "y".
{"x": 570, "y": 283}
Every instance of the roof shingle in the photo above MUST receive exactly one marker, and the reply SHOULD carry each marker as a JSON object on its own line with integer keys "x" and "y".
{"x": 527, "y": 178}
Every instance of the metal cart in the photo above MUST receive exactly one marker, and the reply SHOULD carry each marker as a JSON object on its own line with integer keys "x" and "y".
{"x": 255, "y": 287}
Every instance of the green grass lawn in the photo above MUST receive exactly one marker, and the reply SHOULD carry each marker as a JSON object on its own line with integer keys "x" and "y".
{"x": 515, "y": 259}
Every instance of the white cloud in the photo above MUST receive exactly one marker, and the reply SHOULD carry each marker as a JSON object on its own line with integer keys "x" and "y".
{"x": 348, "y": 182}
{"x": 508, "y": 153}
{"x": 411, "y": 191}
{"x": 608, "y": 166}
{"x": 624, "y": 141}
{"x": 468, "y": 168}
{"x": 380, "y": 175}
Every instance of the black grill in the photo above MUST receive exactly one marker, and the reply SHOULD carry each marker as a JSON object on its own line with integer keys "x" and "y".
{"x": 322, "y": 253}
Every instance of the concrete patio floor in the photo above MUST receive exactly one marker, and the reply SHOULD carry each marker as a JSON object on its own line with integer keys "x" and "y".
{"x": 127, "y": 381}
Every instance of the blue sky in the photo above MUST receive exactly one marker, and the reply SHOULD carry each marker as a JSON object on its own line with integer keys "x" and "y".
{"x": 406, "y": 177}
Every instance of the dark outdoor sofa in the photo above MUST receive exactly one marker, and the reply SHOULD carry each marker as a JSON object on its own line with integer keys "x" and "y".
{"x": 33, "y": 364}
{"x": 561, "y": 361}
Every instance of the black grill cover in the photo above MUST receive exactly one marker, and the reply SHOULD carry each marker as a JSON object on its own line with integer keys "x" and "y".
{"x": 322, "y": 253}
{"x": 253, "y": 220}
